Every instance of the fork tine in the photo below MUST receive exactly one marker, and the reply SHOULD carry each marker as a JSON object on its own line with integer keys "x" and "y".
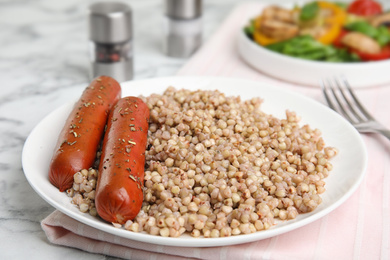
{"x": 360, "y": 106}
{"x": 351, "y": 107}
{"x": 324, "y": 91}
{"x": 340, "y": 107}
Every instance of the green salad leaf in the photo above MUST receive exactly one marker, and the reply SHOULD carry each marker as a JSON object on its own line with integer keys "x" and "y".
{"x": 309, "y": 11}
{"x": 306, "y": 47}
{"x": 250, "y": 29}
{"x": 383, "y": 35}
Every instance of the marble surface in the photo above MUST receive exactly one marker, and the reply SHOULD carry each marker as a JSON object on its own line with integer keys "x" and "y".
{"x": 44, "y": 63}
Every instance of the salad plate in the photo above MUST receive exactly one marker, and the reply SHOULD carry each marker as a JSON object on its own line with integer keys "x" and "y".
{"x": 308, "y": 72}
{"x": 348, "y": 166}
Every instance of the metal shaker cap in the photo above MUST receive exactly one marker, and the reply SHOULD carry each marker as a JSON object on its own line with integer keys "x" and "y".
{"x": 110, "y": 22}
{"x": 183, "y": 9}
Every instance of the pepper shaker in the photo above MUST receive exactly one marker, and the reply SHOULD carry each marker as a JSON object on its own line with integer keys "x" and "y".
{"x": 182, "y": 27}
{"x": 110, "y": 39}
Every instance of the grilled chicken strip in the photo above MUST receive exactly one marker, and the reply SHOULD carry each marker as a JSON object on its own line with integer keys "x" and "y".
{"x": 361, "y": 42}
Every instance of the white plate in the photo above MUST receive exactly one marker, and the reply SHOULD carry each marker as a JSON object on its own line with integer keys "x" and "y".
{"x": 349, "y": 165}
{"x": 306, "y": 72}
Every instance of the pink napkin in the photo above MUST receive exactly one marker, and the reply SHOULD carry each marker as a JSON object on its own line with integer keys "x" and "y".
{"x": 358, "y": 229}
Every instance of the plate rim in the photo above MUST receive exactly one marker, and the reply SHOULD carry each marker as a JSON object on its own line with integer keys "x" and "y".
{"x": 190, "y": 242}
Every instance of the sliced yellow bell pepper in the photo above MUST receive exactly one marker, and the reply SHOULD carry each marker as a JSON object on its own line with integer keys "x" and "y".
{"x": 334, "y": 23}
{"x": 339, "y": 15}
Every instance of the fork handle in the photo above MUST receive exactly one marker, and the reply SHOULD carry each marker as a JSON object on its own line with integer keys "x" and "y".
{"x": 384, "y": 132}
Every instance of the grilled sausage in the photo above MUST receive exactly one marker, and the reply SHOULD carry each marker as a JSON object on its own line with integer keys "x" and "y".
{"x": 79, "y": 139}
{"x": 119, "y": 193}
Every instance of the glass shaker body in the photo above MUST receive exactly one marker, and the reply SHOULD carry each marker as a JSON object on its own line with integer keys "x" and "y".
{"x": 112, "y": 59}
{"x": 181, "y": 37}
{"x": 182, "y": 27}
{"x": 110, "y": 40}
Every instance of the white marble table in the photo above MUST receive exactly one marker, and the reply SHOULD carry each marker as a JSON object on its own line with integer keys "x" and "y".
{"x": 43, "y": 64}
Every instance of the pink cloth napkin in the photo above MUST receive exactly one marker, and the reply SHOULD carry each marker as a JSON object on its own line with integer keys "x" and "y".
{"x": 358, "y": 229}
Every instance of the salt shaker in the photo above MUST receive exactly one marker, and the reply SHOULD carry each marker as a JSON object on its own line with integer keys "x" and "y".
{"x": 182, "y": 27}
{"x": 110, "y": 38}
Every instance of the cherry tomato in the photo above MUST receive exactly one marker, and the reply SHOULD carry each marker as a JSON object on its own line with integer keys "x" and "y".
{"x": 384, "y": 54}
{"x": 364, "y": 7}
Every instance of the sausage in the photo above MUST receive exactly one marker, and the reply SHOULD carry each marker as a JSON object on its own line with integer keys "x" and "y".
{"x": 83, "y": 130}
{"x": 119, "y": 190}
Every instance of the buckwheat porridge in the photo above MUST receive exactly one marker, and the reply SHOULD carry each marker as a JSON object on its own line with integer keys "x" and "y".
{"x": 218, "y": 166}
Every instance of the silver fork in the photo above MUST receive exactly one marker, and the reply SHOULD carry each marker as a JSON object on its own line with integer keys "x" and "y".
{"x": 340, "y": 97}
